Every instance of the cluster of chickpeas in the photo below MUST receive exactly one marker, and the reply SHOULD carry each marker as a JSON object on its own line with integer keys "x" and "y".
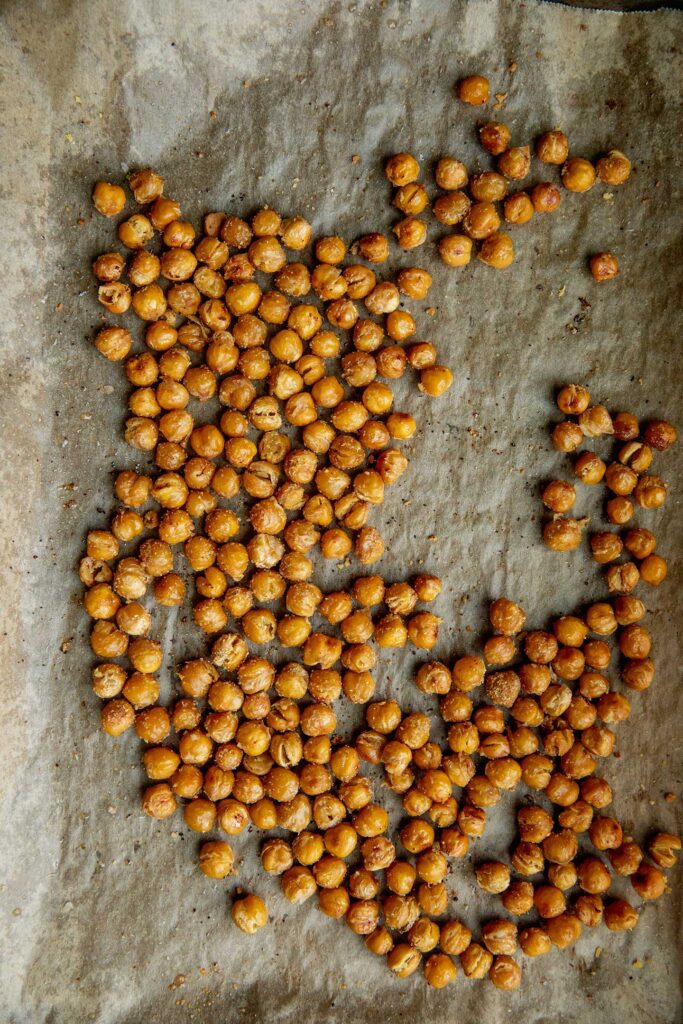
{"x": 301, "y": 451}
{"x": 629, "y": 481}
{"x": 468, "y": 202}
{"x": 552, "y": 741}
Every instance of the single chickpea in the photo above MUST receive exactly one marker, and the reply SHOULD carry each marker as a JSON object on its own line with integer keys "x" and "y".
{"x": 473, "y": 90}
{"x": 518, "y": 898}
{"x": 648, "y": 881}
{"x": 493, "y": 876}
{"x": 481, "y": 220}
{"x": 494, "y": 137}
{"x": 660, "y": 434}
{"x": 663, "y": 848}
{"x": 455, "y": 250}
{"x": 515, "y": 163}
{"x": 414, "y": 282}
{"x": 534, "y": 942}
{"x": 158, "y": 801}
{"x": 249, "y": 913}
{"x": 108, "y": 199}
{"x": 545, "y": 197}
{"x": 497, "y": 251}
{"x": 518, "y": 208}
{"x": 476, "y": 961}
{"x": 562, "y": 534}
{"x": 552, "y": 147}
{"x": 439, "y": 970}
{"x": 578, "y": 175}
{"x": 604, "y": 266}
{"x": 401, "y": 169}
{"x": 614, "y": 168}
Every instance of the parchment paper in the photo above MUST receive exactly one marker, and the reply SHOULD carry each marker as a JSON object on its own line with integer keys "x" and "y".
{"x": 104, "y": 916}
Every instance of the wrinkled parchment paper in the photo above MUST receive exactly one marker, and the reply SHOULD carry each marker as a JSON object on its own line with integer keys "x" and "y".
{"x": 104, "y": 916}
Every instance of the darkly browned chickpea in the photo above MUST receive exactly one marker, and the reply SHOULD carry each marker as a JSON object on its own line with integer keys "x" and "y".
{"x": 474, "y": 90}
{"x": 660, "y": 434}
{"x": 494, "y": 137}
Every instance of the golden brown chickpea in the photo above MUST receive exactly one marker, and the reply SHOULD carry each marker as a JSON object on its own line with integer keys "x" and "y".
{"x": 200, "y": 815}
{"x": 414, "y": 282}
{"x": 401, "y": 169}
{"x": 660, "y": 434}
{"x": 552, "y": 147}
{"x": 589, "y": 910}
{"x": 216, "y": 859}
{"x": 455, "y": 250}
{"x": 567, "y": 436}
{"x": 650, "y": 492}
{"x": 620, "y": 479}
{"x": 563, "y": 534}
{"x": 578, "y": 175}
{"x": 481, "y": 220}
{"x": 620, "y": 916}
{"x": 605, "y": 833}
{"x": 563, "y": 930}
{"x": 109, "y": 266}
{"x": 135, "y": 232}
{"x": 476, "y": 961}
{"x": 410, "y": 232}
{"x": 249, "y": 913}
{"x": 117, "y": 716}
{"x": 494, "y": 137}
{"x": 473, "y": 90}
{"x": 653, "y": 570}
{"x": 596, "y": 792}
{"x": 573, "y": 399}
{"x": 488, "y": 186}
{"x": 115, "y": 296}
{"x": 439, "y": 970}
{"x": 663, "y": 848}
{"x": 497, "y": 251}
{"x": 158, "y": 801}
{"x": 619, "y": 511}
{"x": 648, "y": 881}
{"x": 549, "y": 901}
{"x": 626, "y": 859}
{"x": 108, "y": 199}
{"x": 515, "y": 163}
{"x": 545, "y": 197}
{"x": 604, "y": 266}
{"x": 518, "y": 208}
{"x": 435, "y": 380}
{"x": 505, "y": 973}
{"x": 518, "y": 898}
{"x": 493, "y": 876}
{"x": 614, "y": 168}
{"x": 534, "y": 942}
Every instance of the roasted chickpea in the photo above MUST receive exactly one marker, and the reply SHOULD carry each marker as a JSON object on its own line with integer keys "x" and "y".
{"x": 604, "y": 266}
{"x": 474, "y": 90}
{"x": 578, "y": 175}
{"x": 552, "y": 147}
